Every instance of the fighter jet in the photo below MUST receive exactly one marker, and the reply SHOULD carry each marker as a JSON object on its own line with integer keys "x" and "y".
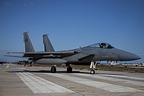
{"x": 88, "y": 55}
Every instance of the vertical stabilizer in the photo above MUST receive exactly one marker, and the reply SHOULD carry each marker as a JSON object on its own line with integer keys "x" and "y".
{"x": 28, "y": 44}
{"x": 47, "y": 44}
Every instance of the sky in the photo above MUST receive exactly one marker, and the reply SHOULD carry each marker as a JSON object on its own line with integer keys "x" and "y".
{"x": 72, "y": 24}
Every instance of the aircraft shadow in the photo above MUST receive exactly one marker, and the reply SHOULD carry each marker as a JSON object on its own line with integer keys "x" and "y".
{"x": 45, "y": 71}
{"x": 48, "y": 71}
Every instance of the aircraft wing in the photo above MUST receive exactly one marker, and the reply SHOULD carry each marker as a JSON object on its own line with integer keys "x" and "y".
{"x": 58, "y": 54}
{"x": 87, "y": 58}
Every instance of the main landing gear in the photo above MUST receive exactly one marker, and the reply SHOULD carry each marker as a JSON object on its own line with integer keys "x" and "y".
{"x": 93, "y": 67}
{"x": 53, "y": 69}
{"x": 69, "y": 69}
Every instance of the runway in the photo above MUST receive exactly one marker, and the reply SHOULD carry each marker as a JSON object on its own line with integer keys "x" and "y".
{"x": 16, "y": 80}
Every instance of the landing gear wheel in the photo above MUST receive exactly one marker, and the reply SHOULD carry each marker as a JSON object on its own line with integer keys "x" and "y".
{"x": 69, "y": 69}
{"x": 53, "y": 69}
{"x": 92, "y": 72}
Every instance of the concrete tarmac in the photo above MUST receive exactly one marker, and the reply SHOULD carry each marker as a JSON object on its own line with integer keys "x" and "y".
{"x": 17, "y": 80}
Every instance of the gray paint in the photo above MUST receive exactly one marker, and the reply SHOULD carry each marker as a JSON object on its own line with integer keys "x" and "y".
{"x": 84, "y": 55}
{"x": 28, "y": 44}
{"x": 47, "y": 44}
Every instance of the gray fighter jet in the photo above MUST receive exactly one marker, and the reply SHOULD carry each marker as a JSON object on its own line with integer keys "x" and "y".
{"x": 89, "y": 55}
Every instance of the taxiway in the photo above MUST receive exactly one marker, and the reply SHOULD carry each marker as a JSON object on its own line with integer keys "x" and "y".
{"x": 16, "y": 80}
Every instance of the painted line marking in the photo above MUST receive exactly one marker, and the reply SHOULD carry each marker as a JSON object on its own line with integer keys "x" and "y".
{"x": 18, "y": 68}
{"x": 96, "y": 84}
{"x": 40, "y": 85}
{"x": 128, "y": 77}
{"x": 114, "y": 79}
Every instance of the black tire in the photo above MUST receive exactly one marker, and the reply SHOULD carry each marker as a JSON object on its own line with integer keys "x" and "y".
{"x": 53, "y": 69}
{"x": 69, "y": 69}
{"x": 92, "y": 72}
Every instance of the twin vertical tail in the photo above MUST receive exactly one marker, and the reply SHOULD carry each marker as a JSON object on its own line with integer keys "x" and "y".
{"x": 28, "y": 44}
{"x": 47, "y": 44}
{"x": 29, "y": 47}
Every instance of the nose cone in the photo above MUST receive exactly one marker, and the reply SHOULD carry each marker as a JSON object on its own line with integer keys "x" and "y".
{"x": 127, "y": 56}
{"x": 132, "y": 56}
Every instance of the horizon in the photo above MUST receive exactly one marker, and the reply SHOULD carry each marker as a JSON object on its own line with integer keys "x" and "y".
{"x": 72, "y": 23}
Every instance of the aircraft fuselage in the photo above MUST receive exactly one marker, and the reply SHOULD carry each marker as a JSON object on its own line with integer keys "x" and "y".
{"x": 88, "y": 54}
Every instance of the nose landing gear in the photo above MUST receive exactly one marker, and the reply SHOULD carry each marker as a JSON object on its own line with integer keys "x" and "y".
{"x": 93, "y": 67}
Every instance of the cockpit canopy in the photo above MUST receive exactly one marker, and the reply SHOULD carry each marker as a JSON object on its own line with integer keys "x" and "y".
{"x": 102, "y": 45}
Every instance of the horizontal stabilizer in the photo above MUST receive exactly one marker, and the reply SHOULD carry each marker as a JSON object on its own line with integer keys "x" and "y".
{"x": 16, "y": 52}
{"x": 15, "y": 56}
